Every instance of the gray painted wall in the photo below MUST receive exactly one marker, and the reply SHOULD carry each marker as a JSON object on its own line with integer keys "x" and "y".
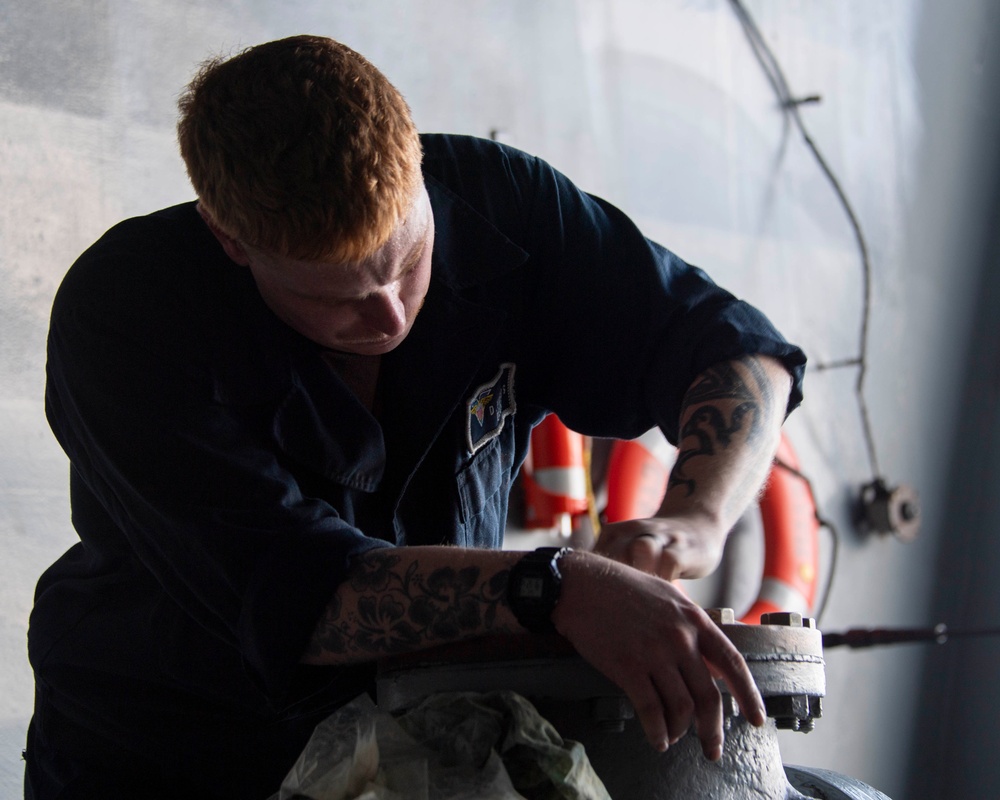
{"x": 659, "y": 106}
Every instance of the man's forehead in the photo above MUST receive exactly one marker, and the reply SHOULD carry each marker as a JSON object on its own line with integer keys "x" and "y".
{"x": 382, "y": 265}
{"x": 348, "y": 280}
{"x": 406, "y": 242}
{"x": 411, "y": 231}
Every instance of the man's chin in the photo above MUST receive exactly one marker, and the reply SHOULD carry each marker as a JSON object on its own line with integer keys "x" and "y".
{"x": 378, "y": 348}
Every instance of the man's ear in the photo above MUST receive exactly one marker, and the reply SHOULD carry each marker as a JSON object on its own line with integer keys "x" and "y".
{"x": 232, "y": 247}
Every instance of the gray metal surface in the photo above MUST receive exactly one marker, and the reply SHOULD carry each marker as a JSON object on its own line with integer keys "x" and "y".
{"x": 826, "y": 785}
{"x": 567, "y": 679}
{"x": 785, "y": 657}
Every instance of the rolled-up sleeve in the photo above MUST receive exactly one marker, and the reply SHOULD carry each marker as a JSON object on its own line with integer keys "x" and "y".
{"x": 619, "y": 327}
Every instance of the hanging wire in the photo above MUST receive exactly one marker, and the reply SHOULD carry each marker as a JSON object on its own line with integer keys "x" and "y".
{"x": 790, "y": 109}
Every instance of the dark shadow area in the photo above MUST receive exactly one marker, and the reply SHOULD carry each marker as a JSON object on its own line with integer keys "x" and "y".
{"x": 954, "y": 753}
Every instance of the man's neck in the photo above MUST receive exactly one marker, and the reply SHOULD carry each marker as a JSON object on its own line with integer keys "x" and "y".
{"x": 359, "y": 372}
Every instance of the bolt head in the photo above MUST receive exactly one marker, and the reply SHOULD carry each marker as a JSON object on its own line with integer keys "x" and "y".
{"x": 790, "y": 619}
{"x": 722, "y": 616}
{"x": 793, "y": 712}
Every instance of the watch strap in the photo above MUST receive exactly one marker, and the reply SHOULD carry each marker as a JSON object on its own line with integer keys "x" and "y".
{"x": 534, "y": 587}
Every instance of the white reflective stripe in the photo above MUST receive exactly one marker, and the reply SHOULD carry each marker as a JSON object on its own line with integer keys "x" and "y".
{"x": 658, "y": 447}
{"x": 785, "y": 597}
{"x": 564, "y": 481}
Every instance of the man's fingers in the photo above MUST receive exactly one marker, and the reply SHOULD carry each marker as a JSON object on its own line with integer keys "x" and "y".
{"x": 678, "y": 704}
{"x": 668, "y": 705}
{"x": 644, "y": 552}
{"x": 649, "y": 553}
{"x": 648, "y": 707}
{"x": 727, "y": 662}
{"x": 707, "y": 707}
{"x": 658, "y": 646}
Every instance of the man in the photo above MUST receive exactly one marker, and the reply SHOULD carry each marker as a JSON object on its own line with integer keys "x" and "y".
{"x": 294, "y": 410}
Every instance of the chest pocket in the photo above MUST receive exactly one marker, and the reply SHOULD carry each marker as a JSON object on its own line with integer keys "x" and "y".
{"x": 483, "y": 489}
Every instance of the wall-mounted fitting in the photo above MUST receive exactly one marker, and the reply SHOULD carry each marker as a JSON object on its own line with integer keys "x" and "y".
{"x": 884, "y": 510}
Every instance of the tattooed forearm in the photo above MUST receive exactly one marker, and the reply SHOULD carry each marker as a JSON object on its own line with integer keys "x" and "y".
{"x": 740, "y": 389}
{"x": 731, "y": 401}
{"x": 396, "y": 606}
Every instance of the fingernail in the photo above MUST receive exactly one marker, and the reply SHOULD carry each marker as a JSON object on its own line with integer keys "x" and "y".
{"x": 663, "y": 745}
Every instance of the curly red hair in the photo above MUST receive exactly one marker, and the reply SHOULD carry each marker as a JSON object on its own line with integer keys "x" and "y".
{"x": 300, "y": 147}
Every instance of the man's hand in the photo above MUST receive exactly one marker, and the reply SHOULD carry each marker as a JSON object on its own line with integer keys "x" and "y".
{"x": 658, "y": 646}
{"x": 626, "y": 619}
{"x": 637, "y": 629}
{"x": 630, "y": 622}
{"x": 671, "y": 548}
{"x": 730, "y": 424}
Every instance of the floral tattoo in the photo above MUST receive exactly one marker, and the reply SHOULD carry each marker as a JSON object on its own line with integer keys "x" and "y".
{"x": 399, "y": 612}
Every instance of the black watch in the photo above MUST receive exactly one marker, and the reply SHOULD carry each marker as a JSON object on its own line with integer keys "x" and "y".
{"x": 534, "y": 586}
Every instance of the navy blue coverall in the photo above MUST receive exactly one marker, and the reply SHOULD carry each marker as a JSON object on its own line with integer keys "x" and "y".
{"x": 223, "y": 477}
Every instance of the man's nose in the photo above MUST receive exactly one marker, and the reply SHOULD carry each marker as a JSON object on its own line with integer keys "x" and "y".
{"x": 385, "y": 311}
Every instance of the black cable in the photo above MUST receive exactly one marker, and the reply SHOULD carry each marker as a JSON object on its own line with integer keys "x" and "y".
{"x": 870, "y": 637}
{"x": 790, "y": 108}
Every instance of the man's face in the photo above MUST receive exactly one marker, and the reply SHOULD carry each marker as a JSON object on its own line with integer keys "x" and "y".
{"x": 365, "y": 307}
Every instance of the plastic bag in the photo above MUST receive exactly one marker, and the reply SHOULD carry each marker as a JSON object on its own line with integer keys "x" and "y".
{"x": 453, "y": 746}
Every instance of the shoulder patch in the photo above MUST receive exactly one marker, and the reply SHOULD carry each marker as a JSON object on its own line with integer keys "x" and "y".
{"x": 489, "y": 406}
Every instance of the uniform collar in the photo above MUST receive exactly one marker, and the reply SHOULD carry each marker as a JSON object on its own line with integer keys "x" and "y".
{"x": 468, "y": 249}
{"x": 423, "y": 380}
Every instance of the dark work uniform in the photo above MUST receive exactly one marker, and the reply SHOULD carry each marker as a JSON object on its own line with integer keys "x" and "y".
{"x": 223, "y": 476}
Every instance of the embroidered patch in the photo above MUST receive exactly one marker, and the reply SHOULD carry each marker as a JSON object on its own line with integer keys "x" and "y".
{"x": 489, "y": 406}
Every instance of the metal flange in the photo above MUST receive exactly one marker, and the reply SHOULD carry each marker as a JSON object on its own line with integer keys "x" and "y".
{"x": 785, "y": 657}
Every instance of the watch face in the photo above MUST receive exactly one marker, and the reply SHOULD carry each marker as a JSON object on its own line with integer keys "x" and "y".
{"x": 531, "y": 587}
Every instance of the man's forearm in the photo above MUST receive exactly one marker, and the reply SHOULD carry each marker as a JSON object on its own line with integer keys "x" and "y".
{"x": 730, "y": 422}
{"x": 399, "y": 600}
{"x": 638, "y": 630}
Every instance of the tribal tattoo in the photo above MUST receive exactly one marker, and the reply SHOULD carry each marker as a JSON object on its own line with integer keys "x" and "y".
{"x": 720, "y": 406}
{"x": 400, "y": 612}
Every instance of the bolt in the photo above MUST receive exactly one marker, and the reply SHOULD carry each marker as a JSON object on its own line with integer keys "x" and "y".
{"x": 815, "y": 707}
{"x": 610, "y": 713}
{"x": 908, "y": 512}
{"x": 789, "y": 619}
{"x": 611, "y": 726}
{"x": 793, "y": 713}
{"x": 722, "y": 616}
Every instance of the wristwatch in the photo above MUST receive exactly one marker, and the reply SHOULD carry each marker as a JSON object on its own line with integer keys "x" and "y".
{"x": 534, "y": 586}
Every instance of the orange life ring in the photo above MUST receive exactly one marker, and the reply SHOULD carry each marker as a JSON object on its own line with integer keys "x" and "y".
{"x": 554, "y": 477}
{"x": 791, "y": 540}
{"x": 638, "y": 470}
{"x": 636, "y": 483}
